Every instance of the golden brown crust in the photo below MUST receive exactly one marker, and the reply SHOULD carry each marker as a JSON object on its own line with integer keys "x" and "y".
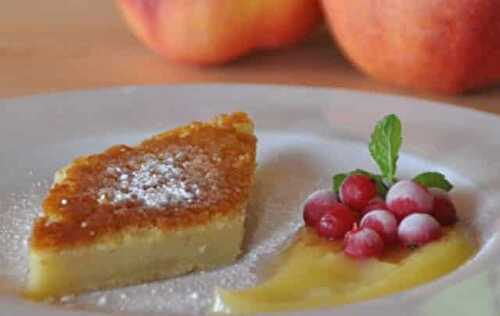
{"x": 73, "y": 214}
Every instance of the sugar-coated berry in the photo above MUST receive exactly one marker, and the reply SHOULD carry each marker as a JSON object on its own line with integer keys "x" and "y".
{"x": 335, "y": 222}
{"x": 316, "y": 204}
{"x": 418, "y": 229}
{"x": 377, "y": 203}
{"x": 363, "y": 243}
{"x": 407, "y": 197}
{"x": 443, "y": 209}
{"x": 356, "y": 191}
{"x": 383, "y": 222}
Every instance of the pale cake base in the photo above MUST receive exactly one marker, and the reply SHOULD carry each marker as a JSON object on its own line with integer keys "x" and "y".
{"x": 135, "y": 257}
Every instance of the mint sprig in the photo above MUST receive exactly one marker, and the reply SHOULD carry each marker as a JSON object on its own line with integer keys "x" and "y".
{"x": 384, "y": 146}
{"x": 433, "y": 180}
{"x": 385, "y": 143}
{"x": 338, "y": 179}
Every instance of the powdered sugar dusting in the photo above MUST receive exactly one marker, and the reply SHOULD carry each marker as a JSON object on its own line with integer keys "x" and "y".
{"x": 18, "y": 213}
{"x": 178, "y": 177}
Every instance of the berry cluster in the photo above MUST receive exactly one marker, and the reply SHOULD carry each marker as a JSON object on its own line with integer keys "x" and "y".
{"x": 371, "y": 211}
{"x": 410, "y": 215}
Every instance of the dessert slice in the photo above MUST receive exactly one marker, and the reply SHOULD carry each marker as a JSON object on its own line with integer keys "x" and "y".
{"x": 173, "y": 204}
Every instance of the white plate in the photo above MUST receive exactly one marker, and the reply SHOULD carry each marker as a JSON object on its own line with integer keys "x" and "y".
{"x": 305, "y": 134}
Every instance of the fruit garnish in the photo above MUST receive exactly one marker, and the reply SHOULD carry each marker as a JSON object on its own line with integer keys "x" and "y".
{"x": 363, "y": 243}
{"x": 420, "y": 205}
{"x": 407, "y": 197}
{"x": 339, "y": 178}
{"x": 357, "y": 190}
{"x": 383, "y": 222}
{"x": 335, "y": 222}
{"x": 316, "y": 205}
{"x": 377, "y": 203}
{"x": 443, "y": 208}
{"x": 418, "y": 229}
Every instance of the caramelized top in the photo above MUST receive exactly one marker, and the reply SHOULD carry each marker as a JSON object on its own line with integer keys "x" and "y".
{"x": 179, "y": 178}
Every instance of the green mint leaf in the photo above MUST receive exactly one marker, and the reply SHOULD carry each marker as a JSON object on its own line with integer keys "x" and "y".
{"x": 433, "y": 180}
{"x": 384, "y": 146}
{"x": 337, "y": 181}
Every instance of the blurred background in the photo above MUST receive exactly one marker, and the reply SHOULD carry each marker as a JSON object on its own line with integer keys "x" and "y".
{"x": 57, "y": 45}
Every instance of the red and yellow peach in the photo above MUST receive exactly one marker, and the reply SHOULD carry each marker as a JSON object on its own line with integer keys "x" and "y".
{"x": 217, "y": 31}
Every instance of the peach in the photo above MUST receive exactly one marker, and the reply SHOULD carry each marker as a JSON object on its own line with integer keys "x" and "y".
{"x": 443, "y": 46}
{"x": 218, "y": 31}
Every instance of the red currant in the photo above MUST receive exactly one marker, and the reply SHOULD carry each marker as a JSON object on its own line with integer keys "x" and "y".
{"x": 357, "y": 190}
{"x": 383, "y": 222}
{"x": 335, "y": 222}
{"x": 418, "y": 229}
{"x": 377, "y": 203}
{"x": 443, "y": 209}
{"x": 316, "y": 204}
{"x": 363, "y": 243}
{"x": 407, "y": 197}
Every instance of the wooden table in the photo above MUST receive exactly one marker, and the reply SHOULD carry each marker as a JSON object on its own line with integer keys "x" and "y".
{"x": 60, "y": 45}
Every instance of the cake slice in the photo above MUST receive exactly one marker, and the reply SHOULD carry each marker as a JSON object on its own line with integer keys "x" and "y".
{"x": 173, "y": 204}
